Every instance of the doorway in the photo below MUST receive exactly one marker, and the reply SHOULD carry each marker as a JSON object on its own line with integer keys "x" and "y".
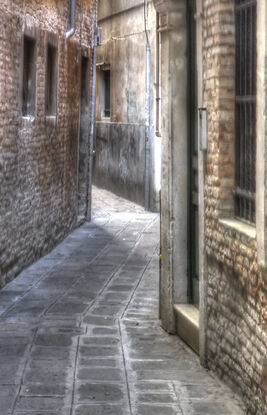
{"x": 83, "y": 138}
{"x": 193, "y": 196}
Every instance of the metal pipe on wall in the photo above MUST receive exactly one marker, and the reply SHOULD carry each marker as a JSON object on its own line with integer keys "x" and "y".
{"x": 72, "y": 29}
{"x": 158, "y": 91}
{"x": 147, "y": 111}
{"x": 92, "y": 126}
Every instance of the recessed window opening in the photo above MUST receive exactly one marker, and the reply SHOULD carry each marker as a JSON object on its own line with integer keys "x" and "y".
{"x": 51, "y": 81}
{"x": 105, "y": 94}
{"x": 29, "y": 76}
{"x": 84, "y": 83}
{"x": 245, "y": 110}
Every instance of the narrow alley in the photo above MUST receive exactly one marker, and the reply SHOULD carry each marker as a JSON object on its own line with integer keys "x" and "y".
{"x": 79, "y": 329}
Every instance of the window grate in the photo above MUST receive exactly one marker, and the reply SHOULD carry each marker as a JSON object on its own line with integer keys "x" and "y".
{"x": 245, "y": 110}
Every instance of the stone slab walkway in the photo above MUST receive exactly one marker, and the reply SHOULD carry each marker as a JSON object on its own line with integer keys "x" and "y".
{"x": 80, "y": 335}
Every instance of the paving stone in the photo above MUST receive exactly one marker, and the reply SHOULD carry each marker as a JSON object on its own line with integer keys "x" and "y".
{"x": 83, "y": 340}
{"x": 7, "y": 397}
{"x": 50, "y": 353}
{"x": 99, "y": 392}
{"x": 101, "y": 363}
{"x": 45, "y": 389}
{"x": 156, "y": 397}
{"x": 153, "y": 386}
{"x": 105, "y": 330}
{"x": 209, "y": 408}
{"x": 99, "y": 321}
{"x": 100, "y": 374}
{"x": 39, "y": 404}
{"x": 98, "y": 341}
{"x": 47, "y": 372}
{"x": 68, "y": 307}
{"x": 157, "y": 410}
{"x": 55, "y": 340}
{"x": 96, "y": 351}
{"x": 101, "y": 410}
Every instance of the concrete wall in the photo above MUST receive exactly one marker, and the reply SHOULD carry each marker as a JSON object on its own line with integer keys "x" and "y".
{"x": 120, "y": 149}
{"x": 39, "y": 153}
{"x": 124, "y": 50}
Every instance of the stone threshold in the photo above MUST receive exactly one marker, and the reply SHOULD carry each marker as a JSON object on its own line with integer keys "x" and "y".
{"x": 187, "y": 324}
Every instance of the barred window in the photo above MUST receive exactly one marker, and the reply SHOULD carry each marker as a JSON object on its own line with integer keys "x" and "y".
{"x": 245, "y": 110}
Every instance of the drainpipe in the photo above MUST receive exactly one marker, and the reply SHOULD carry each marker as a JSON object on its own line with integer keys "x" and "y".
{"x": 147, "y": 112}
{"x": 92, "y": 126}
{"x": 72, "y": 29}
{"x": 158, "y": 44}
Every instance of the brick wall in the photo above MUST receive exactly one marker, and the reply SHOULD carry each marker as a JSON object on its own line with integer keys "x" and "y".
{"x": 237, "y": 286}
{"x": 38, "y": 157}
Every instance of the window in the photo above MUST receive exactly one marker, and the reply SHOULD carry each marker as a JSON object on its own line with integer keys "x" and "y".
{"x": 29, "y": 77}
{"x": 51, "y": 80}
{"x": 245, "y": 110}
{"x": 106, "y": 92}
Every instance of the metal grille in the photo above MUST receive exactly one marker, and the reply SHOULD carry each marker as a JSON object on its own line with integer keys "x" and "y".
{"x": 245, "y": 110}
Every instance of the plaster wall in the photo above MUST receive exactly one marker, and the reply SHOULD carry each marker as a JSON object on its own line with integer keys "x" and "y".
{"x": 124, "y": 144}
{"x": 124, "y": 51}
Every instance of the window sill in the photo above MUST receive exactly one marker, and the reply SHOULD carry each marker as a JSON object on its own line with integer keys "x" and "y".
{"x": 29, "y": 118}
{"x": 240, "y": 227}
{"x": 105, "y": 119}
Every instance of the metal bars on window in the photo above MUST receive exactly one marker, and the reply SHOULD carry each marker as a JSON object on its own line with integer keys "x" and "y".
{"x": 245, "y": 110}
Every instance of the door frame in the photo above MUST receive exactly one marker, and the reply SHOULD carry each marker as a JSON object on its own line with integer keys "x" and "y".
{"x": 174, "y": 200}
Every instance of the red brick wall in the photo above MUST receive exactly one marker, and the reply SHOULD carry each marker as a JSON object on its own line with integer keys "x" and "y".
{"x": 237, "y": 287}
{"x": 38, "y": 158}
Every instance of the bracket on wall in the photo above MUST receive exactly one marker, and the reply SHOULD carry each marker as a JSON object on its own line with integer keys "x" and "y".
{"x": 203, "y": 128}
{"x": 99, "y": 36}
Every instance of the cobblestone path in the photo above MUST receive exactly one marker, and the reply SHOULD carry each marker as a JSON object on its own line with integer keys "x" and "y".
{"x": 80, "y": 335}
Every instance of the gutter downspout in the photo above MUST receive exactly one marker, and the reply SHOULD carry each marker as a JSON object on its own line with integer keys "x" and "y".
{"x": 158, "y": 92}
{"x": 92, "y": 127}
{"x": 147, "y": 112}
{"x": 72, "y": 29}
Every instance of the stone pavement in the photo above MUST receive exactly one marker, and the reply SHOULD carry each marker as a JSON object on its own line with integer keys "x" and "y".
{"x": 80, "y": 335}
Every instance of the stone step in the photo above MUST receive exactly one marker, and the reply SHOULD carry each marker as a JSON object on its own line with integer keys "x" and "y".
{"x": 187, "y": 324}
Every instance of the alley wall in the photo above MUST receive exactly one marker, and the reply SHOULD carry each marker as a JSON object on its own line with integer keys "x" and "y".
{"x": 231, "y": 317}
{"x": 120, "y": 136}
{"x": 236, "y": 282}
{"x": 39, "y": 150}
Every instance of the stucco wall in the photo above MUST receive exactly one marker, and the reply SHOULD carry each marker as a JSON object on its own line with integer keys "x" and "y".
{"x": 124, "y": 50}
{"x": 120, "y": 149}
{"x": 38, "y": 155}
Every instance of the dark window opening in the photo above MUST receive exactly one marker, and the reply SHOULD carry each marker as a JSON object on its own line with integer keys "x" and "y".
{"x": 51, "y": 80}
{"x": 107, "y": 93}
{"x": 245, "y": 110}
{"x": 84, "y": 83}
{"x": 29, "y": 77}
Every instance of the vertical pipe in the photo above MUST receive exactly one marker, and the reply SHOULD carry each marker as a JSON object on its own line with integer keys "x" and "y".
{"x": 158, "y": 77}
{"x": 147, "y": 113}
{"x": 72, "y": 29}
{"x": 92, "y": 128}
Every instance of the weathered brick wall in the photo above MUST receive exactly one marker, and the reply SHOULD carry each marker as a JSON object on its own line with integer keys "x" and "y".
{"x": 38, "y": 157}
{"x": 237, "y": 287}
